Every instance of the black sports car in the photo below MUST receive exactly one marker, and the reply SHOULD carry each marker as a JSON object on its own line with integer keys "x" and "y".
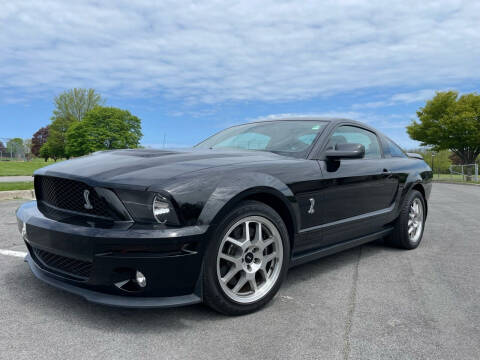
{"x": 223, "y": 221}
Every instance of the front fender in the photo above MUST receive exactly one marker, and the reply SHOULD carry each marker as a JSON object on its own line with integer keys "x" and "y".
{"x": 422, "y": 177}
{"x": 230, "y": 191}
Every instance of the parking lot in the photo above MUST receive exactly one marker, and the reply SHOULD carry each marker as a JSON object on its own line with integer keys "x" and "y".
{"x": 371, "y": 302}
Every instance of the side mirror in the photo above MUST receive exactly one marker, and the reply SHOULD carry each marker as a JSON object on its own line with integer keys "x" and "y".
{"x": 346, "y": 151}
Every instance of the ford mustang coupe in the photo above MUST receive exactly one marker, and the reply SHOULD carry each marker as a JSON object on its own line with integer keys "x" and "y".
{"x": 223, "y": 221}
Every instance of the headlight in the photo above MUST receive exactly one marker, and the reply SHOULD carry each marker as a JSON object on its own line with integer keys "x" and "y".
{"x": 161, "y": 209}
{"x": 149, "y": 207}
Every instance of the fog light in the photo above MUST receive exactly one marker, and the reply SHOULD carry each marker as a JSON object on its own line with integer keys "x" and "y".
{"x": 140, "y": 279}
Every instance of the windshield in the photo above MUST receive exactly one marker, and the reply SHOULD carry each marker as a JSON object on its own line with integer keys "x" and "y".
{"x": 292, "y": 137}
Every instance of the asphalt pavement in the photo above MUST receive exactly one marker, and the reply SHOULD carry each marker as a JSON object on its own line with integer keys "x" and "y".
{"x": 372, "y": 302}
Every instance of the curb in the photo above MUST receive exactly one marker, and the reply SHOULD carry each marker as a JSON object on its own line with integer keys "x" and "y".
{"x": 17, "y": 194}
{"x": 454, "y": 183}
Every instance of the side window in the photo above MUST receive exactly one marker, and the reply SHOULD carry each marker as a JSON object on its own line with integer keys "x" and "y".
{"x": 391, "y": 149}
{"x": 352, "y": 134}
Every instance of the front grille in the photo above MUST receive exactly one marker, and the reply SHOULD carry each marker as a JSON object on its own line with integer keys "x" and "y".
{"x": 77, "y": 268}
{"x": 66, "y": 194}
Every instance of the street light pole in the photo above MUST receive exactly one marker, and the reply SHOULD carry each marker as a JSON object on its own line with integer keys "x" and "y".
{"x": 433, "y": 168}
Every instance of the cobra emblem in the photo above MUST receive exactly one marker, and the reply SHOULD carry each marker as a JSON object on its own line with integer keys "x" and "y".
{"x": 312, "y": 206}
{"x": 86, "y": 196}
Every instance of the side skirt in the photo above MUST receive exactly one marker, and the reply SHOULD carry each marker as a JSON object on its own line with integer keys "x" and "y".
{"x": 332, "y": 249}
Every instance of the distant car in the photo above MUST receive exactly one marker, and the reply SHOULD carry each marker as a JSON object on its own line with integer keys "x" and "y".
{"x": 223, "y": 221}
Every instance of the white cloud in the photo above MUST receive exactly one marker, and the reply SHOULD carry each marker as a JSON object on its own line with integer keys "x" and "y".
{"x": 400, "y": 98}
{"x": 327, "y": 115}
{"x": 391, "y": 121}
{"x": 416, "y": 96}
{"x": 213, "y": 51}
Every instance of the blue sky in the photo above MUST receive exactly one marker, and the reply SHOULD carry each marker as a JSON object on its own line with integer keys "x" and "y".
{"x": 191, "y": 68}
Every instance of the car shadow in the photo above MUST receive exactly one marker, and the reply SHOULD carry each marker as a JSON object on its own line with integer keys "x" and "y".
{"x": 327, "y": 265}
{"x": 33, "y": 296}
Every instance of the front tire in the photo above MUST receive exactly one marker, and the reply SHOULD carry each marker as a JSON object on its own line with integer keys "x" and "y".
{"x": 246, "y": 260}
{"x": 410, "y": 224}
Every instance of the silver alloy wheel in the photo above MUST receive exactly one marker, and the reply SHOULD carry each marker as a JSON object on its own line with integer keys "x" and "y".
{"x": 249, "y": 259}
{"x": 415, "y": 220}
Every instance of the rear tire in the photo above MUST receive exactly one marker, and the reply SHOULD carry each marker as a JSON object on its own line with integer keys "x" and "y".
{"x": 410, "y": 224}
{"x": 246, "y": 260}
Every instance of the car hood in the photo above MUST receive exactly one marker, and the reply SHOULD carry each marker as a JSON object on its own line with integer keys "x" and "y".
{"x": 145, "y": 167}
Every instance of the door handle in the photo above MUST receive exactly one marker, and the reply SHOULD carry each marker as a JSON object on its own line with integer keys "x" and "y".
{"x": 386, "y": 172}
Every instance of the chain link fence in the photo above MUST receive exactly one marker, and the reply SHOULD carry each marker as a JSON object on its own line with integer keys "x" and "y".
{"x": 14, "y": 149}
{"x": 464, "y": 173}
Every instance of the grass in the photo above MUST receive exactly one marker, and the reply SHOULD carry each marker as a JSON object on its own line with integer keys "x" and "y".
{"x": 19, "y": 185}
{"x": 454, "y": 178}
{"x": 13, "y": 168}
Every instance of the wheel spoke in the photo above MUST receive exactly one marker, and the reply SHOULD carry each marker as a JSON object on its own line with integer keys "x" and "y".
{"x": 246, "y": 232}
{"x": 263, "y": 271}
{"x": 258, "y": 233}
{"x": 253, "y": 284}
{"x": 270, "y": 257}
{"x": 419, "y": 216}
{"x": 230, "y": 274}
{"x": 268, "y": 242}
{"x": 230, "y": 258}
{"x": 236, "y": 242}
{"x": 241, "y": 282}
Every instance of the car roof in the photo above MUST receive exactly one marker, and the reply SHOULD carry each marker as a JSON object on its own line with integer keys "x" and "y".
{"x": 302, "y": 118}
{"x": 333, "y": 120}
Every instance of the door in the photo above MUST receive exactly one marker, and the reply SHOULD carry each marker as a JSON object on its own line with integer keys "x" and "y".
{"x": 357, "y": 193}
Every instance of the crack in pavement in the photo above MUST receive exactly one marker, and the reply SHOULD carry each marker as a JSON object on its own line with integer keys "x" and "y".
{"x": 352, "y": 301}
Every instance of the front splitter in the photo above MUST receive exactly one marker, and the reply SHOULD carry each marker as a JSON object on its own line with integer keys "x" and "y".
{"x": 114, "y": 300}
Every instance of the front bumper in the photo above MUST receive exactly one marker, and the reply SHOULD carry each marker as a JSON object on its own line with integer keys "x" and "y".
{"x": 170, "y": 259}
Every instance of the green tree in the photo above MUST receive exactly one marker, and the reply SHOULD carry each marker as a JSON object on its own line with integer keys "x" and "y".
{"x": 439, "y": 161}
{"x": 70, "y": 107}
{"x": 75, "y": 103}
{"x": 450, "y": 122}
{"x": 56, "y": 141}
{"x": 44, "y": 152}
{"x": 103, "y": 128}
